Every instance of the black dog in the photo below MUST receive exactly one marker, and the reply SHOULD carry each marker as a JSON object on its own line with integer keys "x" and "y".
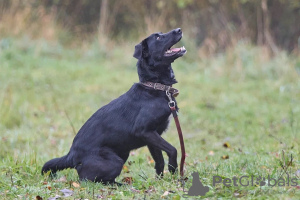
{"x": 135, "y": 119}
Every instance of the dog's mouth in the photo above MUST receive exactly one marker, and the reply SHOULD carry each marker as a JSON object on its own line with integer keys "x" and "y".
{"x": 175, "y": 51}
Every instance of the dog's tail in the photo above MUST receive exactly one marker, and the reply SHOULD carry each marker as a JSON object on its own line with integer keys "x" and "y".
{"x": 57, "y": 164}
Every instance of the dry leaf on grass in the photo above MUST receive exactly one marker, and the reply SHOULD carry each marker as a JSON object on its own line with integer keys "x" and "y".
{"x": 135, "y": 190}
{"x": 77, "y": 185}
{"x": 62, "y": 179}
{"x": 165, "y": 193}
{"x": 150, "y": 160}
{"x": 125, "y": 169}
{"x": 38, "y": 198}
{"x": 225, "y": 157}
{"x": 130, "y": 162}
{"x": 127, "y": 180}
{"x": 150, "y": 189}
{"x": 226, "y": 145}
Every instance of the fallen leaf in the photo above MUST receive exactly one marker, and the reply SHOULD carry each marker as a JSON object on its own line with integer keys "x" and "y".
{"x": 49, "y": 187}
{"x": 77, "y": 185}
{"x": 45, "y": 183}
{"x": 62, "y": 179}
{"x": 150, "y": 189}
{"x": 226, "y": 145}
{"x": 165, "y": 193}
{"x": 125, "y": 169}
{"x": 67, "y": 192}
{"x": 127, "y": 180}
{"x": 225, "y": 157}
{"x": 151, "y": 161}
{"x": 135, "y": 190}
{"x": 236, "y": 194}
{"x": 130, "y": 162}
{"x": 38, "y": 198}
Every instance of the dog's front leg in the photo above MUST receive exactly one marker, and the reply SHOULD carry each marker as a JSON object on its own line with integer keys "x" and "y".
{"x": 153, "y": 139}
{"x": 159, "y": 160}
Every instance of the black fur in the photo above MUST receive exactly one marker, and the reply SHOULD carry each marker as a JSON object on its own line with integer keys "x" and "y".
{"x": 135, "y": 119}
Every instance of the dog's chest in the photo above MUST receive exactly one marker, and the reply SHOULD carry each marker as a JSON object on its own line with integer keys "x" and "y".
{"x": 164, "y": 125}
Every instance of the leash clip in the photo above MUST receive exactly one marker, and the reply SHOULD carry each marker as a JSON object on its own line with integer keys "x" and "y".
{"x": 171, "y": 103}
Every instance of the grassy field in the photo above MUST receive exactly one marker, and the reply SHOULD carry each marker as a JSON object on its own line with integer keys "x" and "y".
{"x": 240, "y": 115}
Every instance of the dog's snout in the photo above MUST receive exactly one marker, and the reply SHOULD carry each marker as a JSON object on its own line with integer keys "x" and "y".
{"x": 177, "y": 30}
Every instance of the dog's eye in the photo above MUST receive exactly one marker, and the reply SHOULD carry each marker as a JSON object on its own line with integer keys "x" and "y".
{"x": 157, "y": 38}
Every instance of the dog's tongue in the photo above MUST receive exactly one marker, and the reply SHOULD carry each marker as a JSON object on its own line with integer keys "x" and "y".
{"x": 175, "y": 49}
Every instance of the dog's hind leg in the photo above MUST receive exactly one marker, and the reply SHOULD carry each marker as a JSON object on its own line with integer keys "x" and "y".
{"x": 104, "y": 167}
{"x": 159, "y": 160}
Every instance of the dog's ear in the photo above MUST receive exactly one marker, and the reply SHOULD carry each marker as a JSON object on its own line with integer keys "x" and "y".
{"x": 141, "y": 50}
{"x": 138, "y": 51}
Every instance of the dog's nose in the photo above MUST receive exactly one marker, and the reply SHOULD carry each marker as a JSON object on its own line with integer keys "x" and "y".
{"x": 177, "y": 30}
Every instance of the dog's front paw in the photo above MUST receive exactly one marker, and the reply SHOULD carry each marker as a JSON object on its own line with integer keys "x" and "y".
{"x": 172, "y": 168}
{"x": 159, "y": 176}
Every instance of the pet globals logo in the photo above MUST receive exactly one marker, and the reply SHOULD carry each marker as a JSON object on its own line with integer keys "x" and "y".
{"x": 245, "y": 181}
{"x": 197, "y": 188}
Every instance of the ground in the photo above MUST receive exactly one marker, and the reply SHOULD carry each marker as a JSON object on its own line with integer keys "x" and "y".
{"x": 239, "y": 112}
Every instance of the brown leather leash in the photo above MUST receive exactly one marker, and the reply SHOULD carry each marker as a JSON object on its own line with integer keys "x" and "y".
{"x": 172, "y": 106}
{"x": 174, "y": 92}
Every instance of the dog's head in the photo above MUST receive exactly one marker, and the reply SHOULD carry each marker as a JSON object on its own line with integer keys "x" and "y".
{"x": 157, "y": 48}
{"x": 155, "y": 55}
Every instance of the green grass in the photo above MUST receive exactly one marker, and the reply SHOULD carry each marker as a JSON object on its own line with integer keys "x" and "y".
{"x": 239, "y": 97}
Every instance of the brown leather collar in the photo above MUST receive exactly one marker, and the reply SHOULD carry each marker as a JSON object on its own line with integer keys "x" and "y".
{"x": 162, "y": 87}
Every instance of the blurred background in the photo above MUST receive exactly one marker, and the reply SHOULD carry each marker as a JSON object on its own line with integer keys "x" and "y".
{"x": 211, "y": 25}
